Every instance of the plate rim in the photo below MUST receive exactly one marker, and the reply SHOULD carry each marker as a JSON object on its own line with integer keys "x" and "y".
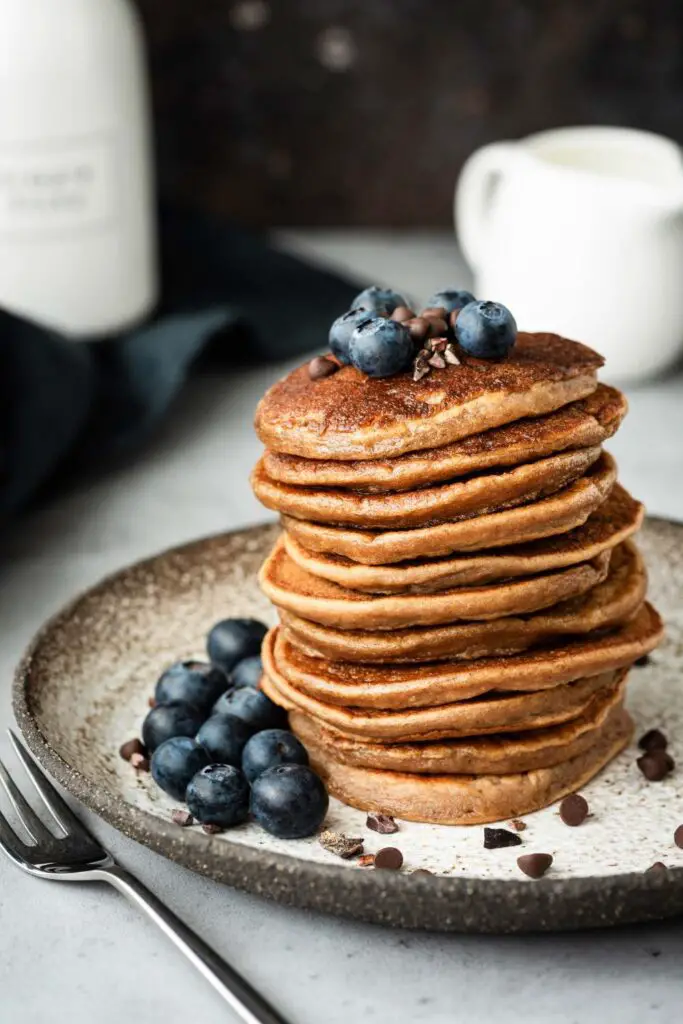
{"x": 438, "y": 902}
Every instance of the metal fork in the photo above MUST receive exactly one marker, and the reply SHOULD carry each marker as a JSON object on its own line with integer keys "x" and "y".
{"x": 75, "y": 856}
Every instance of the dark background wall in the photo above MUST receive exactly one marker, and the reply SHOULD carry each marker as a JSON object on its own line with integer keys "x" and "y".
{"x": 320, "y": 112}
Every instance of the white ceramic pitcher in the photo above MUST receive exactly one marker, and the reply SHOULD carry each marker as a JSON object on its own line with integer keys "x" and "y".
{"x": 580, "y": 231}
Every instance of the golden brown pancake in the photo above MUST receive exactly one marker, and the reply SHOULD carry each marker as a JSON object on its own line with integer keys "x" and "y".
{"x": 401, "y": 686}
{"x": 614, "y": 521}
{"x": 485, "y": 492}
{"x": 290, "y": 587}
{"x": 468, "y": 799}
{"x": 582, "y": 424}
{"x": 351, "y": 416}
{"x": 473, "y": 755}
{"x": 559, "y": 513}
{"x": 606, "y": 606}
{"x": 480, "y": 716}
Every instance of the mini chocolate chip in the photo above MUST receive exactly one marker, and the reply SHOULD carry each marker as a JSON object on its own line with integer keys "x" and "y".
{"x": 135, "y": 746}
{"x": 574, "y": 810}
{"x": 654, "y": 739}
{"x": 437, "y": 327}
{"x": 434, "y": 312}
{"x": 139, "y": 762}
{"x": 367, "y": 860}
{"x": 182, "y": 817}
{"x": 390, "y": 859}
{"x": 452, "y": 319}
{"x": 497, "y": 838}
{"x": 320, "y": 367}
{"x": 418, "y": 327}
{"x": 382, "y": 823}
{"x": 402, "y": 313}
{"x": 518, "y": 825}
{"x": 656, "y": 765}
{"x": 656, "y": 868}
{"x": 642, "y": 662}
{"x": 211, "y": 829}
{"x": 421, "y": 871}
{"x": 678, "y": 837}
{"x": 534, "y": 865}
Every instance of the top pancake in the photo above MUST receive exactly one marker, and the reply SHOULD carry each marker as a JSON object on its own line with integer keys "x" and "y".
{"x": 582, "y": 424}
{"x": 352, "y": 416}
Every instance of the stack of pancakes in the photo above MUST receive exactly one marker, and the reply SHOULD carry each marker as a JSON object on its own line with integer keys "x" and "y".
{"x": 459, "y": 596}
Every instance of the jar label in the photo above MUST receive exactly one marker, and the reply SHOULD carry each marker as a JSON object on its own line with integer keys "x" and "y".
{"x": 57, "y": 187}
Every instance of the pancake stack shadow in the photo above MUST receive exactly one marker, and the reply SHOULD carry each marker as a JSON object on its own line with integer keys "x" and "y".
{"x": 459, "y": 593}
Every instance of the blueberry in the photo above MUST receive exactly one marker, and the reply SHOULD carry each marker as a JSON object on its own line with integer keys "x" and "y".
{"x": 486, "y": 330}
{"x": 167, "y": 720}
{"x": 289, "y": 801}
{"x": 219, "y": 795}
{"x": 175, "y": 762}
{"x": 270, "y": 748}
{"x": 381, "y": 347}
{"x": 450, "y": 299}
{"x": 253, "y": 707}
{"x": 380, "y": 301}
{"x": 247, "y": 672}
{"x": 192, "y": 682}
{"x": 224, "y": 738}
{"x": 341, "y": 331}
{"x": 231, "y": 640}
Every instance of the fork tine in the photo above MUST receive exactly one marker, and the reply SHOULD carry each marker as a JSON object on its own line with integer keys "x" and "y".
{"x": 11, "y": 844}
{"x": 57, "y": 807}
{"x": 27, "y": 816}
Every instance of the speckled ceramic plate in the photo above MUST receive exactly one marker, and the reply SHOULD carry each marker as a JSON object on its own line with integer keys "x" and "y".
{"x": 82, "y": 690}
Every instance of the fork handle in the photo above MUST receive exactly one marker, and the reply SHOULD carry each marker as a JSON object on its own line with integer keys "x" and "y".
{"x": 249, "y": 1006}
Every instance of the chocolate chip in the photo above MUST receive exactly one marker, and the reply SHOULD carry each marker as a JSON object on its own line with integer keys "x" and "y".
{"x": 437, "y": 326}
{"x": 518, "y": 825}
{"x": 418, "y": 327}
{"x": 367, "y": 860}
{"x": 211, "y": 829}
{"x": 382, "y": 823}
{"x": 151, "y": 702}
{"x": 534, "y": 865}
{"x": 654, "y": 739}
{"x": 182, "y": 817}
{"x": 574, "y": 810}
{"x": 497, "y": 838}
{"x": 656, "y": 765}
{"x": 453, "y": 318}
{"x": 678, "y": 837}
{"x": 344, "y": 846}
{"x": 139, "y": 762}
{"x": 434, "y": 313}
{"x": 642, "y": 662}
{"x": 656, "y": 868}
{"x": 402, "y": 313}
{"x": 320, "y": 367}
{"x": 389, "y": 859}
{"x": 421, "y": 871}
{"x": 135, "y": 746}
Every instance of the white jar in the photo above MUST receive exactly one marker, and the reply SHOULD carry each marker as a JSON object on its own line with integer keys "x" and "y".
{"x": 77, "y": 248}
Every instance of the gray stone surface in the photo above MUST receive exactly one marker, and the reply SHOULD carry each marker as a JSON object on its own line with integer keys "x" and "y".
{"x": 82, "y": 953}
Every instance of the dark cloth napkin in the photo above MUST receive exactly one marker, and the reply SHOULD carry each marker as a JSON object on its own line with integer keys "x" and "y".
{"x": 67, "y": 407}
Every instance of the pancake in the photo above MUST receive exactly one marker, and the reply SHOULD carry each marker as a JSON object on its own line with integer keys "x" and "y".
{"x": 401, "y": 686}
{"x": 614, "y": 521}
{"x": 479, "y": 716}
{"x": 582, "y": 424}
{"x": 476, "y": 755}
{"x": 290, "y": 587}
{"x": 474, "y": 495}
{"x": 468, "y": 799}
{"x": 559, "y": 513}
{"x": 606, "y": 606}
{"x": 352, "y": 416}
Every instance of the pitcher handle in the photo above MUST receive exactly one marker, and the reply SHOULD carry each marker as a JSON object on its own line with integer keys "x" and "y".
{"x": 479, "y": 179}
